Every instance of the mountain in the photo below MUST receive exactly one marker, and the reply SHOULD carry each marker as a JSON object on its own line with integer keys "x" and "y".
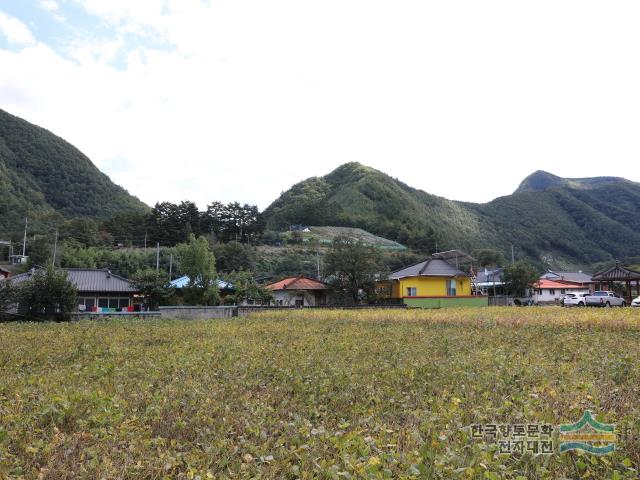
{"x": 540, "y": 181}
{"x": 552, "y": 221}
{"x": 46, "y": 178}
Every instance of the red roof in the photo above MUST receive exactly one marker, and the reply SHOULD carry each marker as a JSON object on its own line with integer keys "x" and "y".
{"x": 297, "y": 283}
{"x": 554, "y": 284}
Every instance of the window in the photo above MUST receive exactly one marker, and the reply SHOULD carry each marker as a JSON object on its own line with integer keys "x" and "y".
{"x": 539, "y": 291}
{"x": 103, "y": 302}
{"x": 412, "y": 292}
{"x": 451, "y": 288}
{"x": 552, "y": 291}
{"x": 562, "y": 291}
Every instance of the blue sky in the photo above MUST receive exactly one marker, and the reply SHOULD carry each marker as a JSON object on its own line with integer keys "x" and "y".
{"x": 238, "y": 100}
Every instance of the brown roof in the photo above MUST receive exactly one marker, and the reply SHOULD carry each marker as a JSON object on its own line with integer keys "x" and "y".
{"x": 616, "y": 273}
{"x": 297, "y": 283}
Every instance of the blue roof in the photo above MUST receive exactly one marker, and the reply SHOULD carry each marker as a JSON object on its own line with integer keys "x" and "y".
{"x": 182, "y": 282}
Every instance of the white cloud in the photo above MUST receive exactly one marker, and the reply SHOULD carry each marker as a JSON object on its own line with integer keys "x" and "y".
{"x": 461, "y": 99}
{"x": 16, "y": 32}
{"x": 49, "y": 5}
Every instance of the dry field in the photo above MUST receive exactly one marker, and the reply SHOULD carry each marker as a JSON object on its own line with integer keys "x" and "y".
{"x": 315, "y": 394}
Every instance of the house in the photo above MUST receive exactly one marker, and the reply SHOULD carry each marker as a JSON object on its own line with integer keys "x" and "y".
{"x": 99, "y": 290}
{"x": 4, "y": 273}
{"x": 579, "y": 278}
{"x": 225, "y": 288}
{"x": 433, "y": 283}
{"x": 551, "y": 291}
{"x": 298, "y": 291}
{"x": 489, "y": 282}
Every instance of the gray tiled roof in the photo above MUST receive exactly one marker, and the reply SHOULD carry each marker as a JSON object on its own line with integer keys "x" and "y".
{"x": 487, "y": 276}
{"x": 578, "y": 277}
{"x": 433, "y": 267}
{"x": 89, "y": 280}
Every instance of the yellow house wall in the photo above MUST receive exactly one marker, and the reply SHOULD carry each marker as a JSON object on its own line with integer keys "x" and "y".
{"x": 430, "y": 286}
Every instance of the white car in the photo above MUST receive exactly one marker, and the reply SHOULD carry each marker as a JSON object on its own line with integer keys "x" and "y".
{"x": 635, "y": 302}
{"x": 575, "y": 300}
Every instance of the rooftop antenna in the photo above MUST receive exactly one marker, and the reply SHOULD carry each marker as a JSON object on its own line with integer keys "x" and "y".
{"x": 24, "y": 241}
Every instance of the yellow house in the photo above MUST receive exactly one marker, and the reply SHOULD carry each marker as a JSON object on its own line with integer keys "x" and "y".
{"x": 433, "y": 283}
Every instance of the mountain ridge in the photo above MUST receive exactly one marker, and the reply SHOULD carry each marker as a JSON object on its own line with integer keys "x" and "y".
{"x": 46, "y": 178}
{"x": 550, "y": 220}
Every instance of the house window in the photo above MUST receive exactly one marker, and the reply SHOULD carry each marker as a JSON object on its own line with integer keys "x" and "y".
{"x": 299, "y": 302}
{"x": 552, "y": 291}
{"x": 451, "y": 288}
{"x": 562, "y": 291}
{"x": 412, "y": 292}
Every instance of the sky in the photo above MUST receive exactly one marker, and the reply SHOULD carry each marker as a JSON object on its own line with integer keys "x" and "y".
{"x": 237, "y": 100}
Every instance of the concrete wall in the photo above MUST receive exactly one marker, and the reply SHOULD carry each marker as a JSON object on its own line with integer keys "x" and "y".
{"x": 185, "y": 312}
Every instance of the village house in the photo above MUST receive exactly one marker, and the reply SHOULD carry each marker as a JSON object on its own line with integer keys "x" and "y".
{"x": 554, "y": 284}
{"x": 489, "y": 282}
{"x": 433, "y": 283}
{"x": 578, "y": 278}
{"x": 224, "y": 288}
{"x": 552, "y": 291}
{"x": 99, "y": 290}
{"x": 299, "y": 291}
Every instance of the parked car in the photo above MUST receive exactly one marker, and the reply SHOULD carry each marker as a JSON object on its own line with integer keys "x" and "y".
{"x": 635, "y": 302}
{"x": 574, "y": 300}
{"x": 604, "y": 299}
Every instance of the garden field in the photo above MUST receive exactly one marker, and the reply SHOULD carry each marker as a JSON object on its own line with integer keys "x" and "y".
{"x": 317, "y": 394}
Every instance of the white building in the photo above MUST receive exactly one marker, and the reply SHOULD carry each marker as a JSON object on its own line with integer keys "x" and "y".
{"x": 550, "y": 291}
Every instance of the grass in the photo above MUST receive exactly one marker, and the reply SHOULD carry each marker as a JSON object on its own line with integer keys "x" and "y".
{"x": 314, "y": 394}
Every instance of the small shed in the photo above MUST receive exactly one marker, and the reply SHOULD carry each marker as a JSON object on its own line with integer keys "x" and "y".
{"x": 4, "y": 273}
{"x": 618, "y": 274}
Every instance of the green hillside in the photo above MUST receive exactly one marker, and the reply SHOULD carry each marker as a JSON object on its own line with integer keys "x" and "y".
{"x": 552, "y": 221}
{"x": 48, "y": 179}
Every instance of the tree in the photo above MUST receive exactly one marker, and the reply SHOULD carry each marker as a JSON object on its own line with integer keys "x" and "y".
{"x": 488, "y": 257}
{"x": 7, "y": 296}
{"x": 199, "y": 264}
{"x": 519, "y": 277}
{"x": 234, "y": 256}
{"x": 352, "y": 267}
{"x": 153, "y": 285}
{"x": 48, "y": 294}
{"x": 246, "y": 289}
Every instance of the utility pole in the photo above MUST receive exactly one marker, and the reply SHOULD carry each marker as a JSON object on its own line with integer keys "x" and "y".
{"x": 145, "y": 241}
{"x": 513, "y": 257}
{"x": 170, "y": 266}
{"x": 55, "y": 248}
{"x": 158, "y": 257}
{"x": 318, "y": 262}
{"x": 24, "y": 241}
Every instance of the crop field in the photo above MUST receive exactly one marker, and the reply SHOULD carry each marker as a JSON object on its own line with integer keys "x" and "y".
{"x": 317, "y": 394}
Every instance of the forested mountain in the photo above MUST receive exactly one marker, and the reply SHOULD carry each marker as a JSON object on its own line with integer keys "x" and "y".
{"x": 552, "y": 221}
{"x": 48, "y": 179}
